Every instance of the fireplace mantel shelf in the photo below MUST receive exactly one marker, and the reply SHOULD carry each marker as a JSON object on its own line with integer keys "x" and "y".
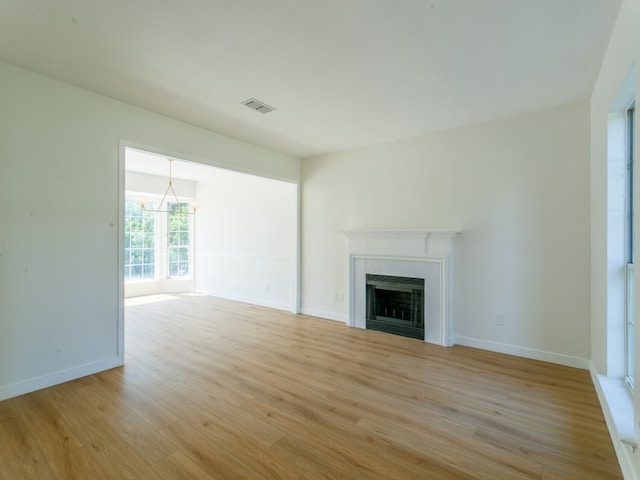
{"x": 421, "y": 233}
{"x": 402, "y": 242}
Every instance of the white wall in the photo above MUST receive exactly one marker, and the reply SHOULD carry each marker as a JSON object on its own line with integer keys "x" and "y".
{"x": 518, "y": 187}
{"x": 60, "y": 149}
{"x": 246, "y": 239}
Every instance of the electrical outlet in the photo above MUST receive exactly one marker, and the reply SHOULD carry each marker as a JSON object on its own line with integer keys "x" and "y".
{"x": 499, "y": 319}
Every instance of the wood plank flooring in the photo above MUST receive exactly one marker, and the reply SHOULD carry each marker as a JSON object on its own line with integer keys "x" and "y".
{"x": 214, "y": 389}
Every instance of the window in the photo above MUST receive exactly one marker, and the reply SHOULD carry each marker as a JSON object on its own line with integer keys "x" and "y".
{"x": 147, "y": 256}
{"x": 629, "y": 253}
{"x": 178, "y": 239}
{"x": 139, "y": 242}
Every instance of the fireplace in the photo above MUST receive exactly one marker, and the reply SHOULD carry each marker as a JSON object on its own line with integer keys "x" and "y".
{"x": 395, "y": 305}
{"x": 425, "y": 256}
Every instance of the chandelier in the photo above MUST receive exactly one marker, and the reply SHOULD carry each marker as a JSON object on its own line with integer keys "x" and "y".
{"x": 169, "y": 196}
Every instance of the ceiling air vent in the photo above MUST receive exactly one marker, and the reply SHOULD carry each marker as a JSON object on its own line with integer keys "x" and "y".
{"x": 258, "y": 106}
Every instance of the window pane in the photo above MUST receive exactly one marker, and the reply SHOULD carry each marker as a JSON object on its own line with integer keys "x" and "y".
{"x": 630, "y": 324}
{"x": 148, "y": 222}
{"x": 178, "y": 238}
{"x": 184, "y": 269}
{"x": 173, "y": 269}
{"x": 136, "y": 256}
{"x": 149, "y": 241}
{"x": 139, "y": 238}
{"x": 149, "y": 271}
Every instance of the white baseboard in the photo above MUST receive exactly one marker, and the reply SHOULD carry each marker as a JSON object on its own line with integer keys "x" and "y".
{"x": 559, "y": 358}
{"x": 250, "y": 300}
{"x": 313, "y": 312}
{"x": 606, "y": 391}
{"x": 55, "y": 378}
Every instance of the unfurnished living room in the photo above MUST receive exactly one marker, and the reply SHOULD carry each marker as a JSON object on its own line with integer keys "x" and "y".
{"x": 304, "y": 240}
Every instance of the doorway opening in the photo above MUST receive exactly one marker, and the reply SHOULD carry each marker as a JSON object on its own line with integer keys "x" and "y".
{"x": 241, "y": 243}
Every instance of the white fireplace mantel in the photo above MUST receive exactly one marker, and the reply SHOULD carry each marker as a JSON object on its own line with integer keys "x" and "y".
{"x": 423, "y": 254}
{"x": 402, "y": 242}
{"x": 444, "y": 232}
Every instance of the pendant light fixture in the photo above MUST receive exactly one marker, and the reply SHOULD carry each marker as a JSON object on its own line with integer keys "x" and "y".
{"x": 169, "y": 196}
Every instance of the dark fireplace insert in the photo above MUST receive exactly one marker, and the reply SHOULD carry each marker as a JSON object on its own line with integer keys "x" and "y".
{"x": 396, "y": 305}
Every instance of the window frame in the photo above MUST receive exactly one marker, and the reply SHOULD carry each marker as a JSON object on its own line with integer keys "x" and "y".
{"x": 162, "y": 255}
{"x": 629, "y": 325}
{"x": 181, "y": 246}
{"x": 127, "y": 263}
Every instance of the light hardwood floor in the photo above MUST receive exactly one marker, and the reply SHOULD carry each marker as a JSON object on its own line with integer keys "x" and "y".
{"x": 214, "y": 389}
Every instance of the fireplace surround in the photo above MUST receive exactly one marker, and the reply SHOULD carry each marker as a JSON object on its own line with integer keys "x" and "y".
{"x": 419, "y": 254}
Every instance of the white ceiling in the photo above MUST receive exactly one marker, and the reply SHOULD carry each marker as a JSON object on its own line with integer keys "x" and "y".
{"x": 341, "y": 73}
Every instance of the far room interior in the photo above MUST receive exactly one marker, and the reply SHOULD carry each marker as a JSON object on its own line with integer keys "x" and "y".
{"x": 232, "y": 235}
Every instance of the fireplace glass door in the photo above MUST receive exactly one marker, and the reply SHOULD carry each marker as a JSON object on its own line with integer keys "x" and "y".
{"x": 396, "y": 305}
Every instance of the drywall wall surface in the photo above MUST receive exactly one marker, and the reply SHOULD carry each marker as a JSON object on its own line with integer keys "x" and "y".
{"x": 60, "y": 150}
{"x": 246, "y": 239}
{"x": 519, "y": 190}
